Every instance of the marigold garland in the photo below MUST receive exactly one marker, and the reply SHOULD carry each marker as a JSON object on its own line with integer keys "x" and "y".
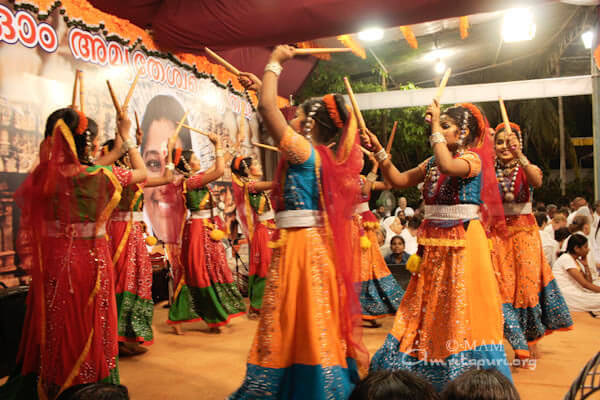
{"x": 463, "y": 27}
{"x": 410, "y": 37}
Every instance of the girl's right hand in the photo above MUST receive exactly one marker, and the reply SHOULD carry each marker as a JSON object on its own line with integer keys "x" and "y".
{"x": 370, "y": 141}
{"x": 249, "y": 81}
{"x": 282, "y": 53}
{"x": 123, "y": 125}
{"x": 213, "y": 137}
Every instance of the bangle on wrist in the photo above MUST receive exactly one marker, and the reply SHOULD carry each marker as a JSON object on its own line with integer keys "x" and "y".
{"x": 274, "y": 67}
{"x": 372, "y": 177}
{"x": 170, "y": 166}
{"x": 524, "y": 161}
{"x": 381, "y": 155}
{"x": 219, "y": 153}
{"x": 435, "y": 138}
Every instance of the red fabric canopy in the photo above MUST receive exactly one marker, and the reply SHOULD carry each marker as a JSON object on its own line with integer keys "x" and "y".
{"x": 190, "y": 25}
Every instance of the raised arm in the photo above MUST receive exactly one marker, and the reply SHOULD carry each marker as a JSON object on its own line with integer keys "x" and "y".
{"x": 396, "y": 179}
{"x": 215, "y": 172}
{"x": 113, "y": 155}
{"x": 532, "y": 172}
{"x": 138, "y": 173}
{"x": 261, "y": 186}
{"x": 167, "y": 176}
{"x": 267, "y": 104}
{"x": 447, "y": 164}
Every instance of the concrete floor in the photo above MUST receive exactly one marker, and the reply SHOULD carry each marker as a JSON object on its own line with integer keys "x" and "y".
{"x": 206, "y": 366}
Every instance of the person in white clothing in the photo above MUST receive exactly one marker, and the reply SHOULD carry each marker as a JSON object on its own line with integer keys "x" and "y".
{"x": 393, "y": 226}
{"x": 579, "y": 285}
{"x": 558, "y": 221}
{"x": 402, "y": 206}
{"x": 549, "y": 245}
{"x": 580, "y": 207}
{"x": 410, "y": 235}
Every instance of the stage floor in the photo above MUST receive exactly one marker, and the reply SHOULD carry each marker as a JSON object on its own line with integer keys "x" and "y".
{"x": 208, "y": 366}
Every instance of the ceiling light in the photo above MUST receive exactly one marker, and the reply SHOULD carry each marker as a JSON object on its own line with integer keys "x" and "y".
{"x": 518, "y": 25}
{"x": 371, "y": 34}
{"x": 587, "y": 38}
{"x": 440, "y": 67}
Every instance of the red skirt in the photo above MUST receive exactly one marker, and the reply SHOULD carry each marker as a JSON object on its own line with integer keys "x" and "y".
{"x": 133, "y": 275}
{"x": 73, "y": 340}
{"x": 260, "y": 258}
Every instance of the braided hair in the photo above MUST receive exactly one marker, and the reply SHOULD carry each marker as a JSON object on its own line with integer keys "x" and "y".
{"x": 328, "y": 112}
{"x": 241, "y": 168}
{"x": 465, "y": 119}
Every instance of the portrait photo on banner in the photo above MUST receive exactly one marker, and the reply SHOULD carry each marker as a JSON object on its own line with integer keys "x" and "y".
{"x": 38, "y": 62}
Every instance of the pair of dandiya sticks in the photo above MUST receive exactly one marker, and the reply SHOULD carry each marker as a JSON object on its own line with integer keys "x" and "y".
{"x": 120, "y": 108}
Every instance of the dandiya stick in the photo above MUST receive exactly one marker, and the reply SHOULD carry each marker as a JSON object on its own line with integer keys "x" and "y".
{"x": 80, "y": 90}
{"x": 194, "y": 129}
{"x": 321, "y": 50}
{"x": 114, "y": 99}
{"x": 131, "y": 88}
{"x": 180, "y": 124}
{"x": 367, "y": 152}
{"x": 222, "y": 61}
{"x": 74, "y": 100}
{"x": 507, "y": 127}
{"x": 443, "y": 84}
{"x": 388, "y": 147}
{"x": 361, "y": 121}
{"x": 137, "y": 121}
{"x": 266, "y": 146}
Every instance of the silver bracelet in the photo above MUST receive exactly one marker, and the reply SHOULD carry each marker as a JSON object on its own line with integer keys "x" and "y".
{"x": 436, "y": 138}
{"x": 381, "y": 155}
{"x": 170, "y": 166}
{"x": 219, "y": 153}
{"x": 372, "y": 177}
{"x": 274, "y": 67}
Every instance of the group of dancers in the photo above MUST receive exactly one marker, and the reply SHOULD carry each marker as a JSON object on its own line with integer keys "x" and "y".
{"x": 316, "y": 273}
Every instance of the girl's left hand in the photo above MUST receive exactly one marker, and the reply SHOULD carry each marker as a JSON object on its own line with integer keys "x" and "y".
{"x": 514, "y": 145}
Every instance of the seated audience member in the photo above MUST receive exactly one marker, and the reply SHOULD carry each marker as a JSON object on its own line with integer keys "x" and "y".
{"x": 393, "y": 385}
{"x": 557, "y": 222}
{"x": 402, "y": 206}
{"x": 410, "y": 235}
{"x": 398, "y": 255}
{"x": 379, "y": 212}
{"x": 95, "y": 391}
{"x": 481, "y": 384}
{"x": 565, "y": 211}
{"x": 393, "y": 226}
{"x": 549, "y": 245}
{"x": 381, "y": 236}
{"x": 551, "y": 209}
{"x": 580, "y": 207}
{"x": 577, "y": 280}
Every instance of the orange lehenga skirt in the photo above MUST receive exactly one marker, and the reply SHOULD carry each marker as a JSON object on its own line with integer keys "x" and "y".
{"x": 532, "y": 303}
{"x": 379, "y": 292}
{"x": 298, "y": 351}
{"x": 450, "y": 319}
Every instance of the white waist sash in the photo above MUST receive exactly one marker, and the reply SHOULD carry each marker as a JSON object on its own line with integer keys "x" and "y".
{"x": 517, "y": 208}
{"x": 266, "y": 216}
{"x": 361, "y": 208}
{"x": 136, "y": 216}
{"x": 452, "y": 212}
{"x": 202, "y": 214}
{"x": 76, "y": 230}
{"x": 298, "y": 218}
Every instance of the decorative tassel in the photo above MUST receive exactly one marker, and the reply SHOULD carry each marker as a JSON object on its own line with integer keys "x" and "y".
{"x": 413, "y": 265}
{"x": 151, "y": 240}
{"x": 365, "y": 243}
{"x": 350, "y": 43}
{"x": 409, "y": 36}
{"x": 217, "y": 234}
{"x": 463, "y": 26}
{"x": 371, "y": 225}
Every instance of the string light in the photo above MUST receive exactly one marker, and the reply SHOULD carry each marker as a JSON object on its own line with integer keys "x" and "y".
{"x": 587, "y": 38}
{"x": 371, "y": 34}
{"x": 518, "y": 25}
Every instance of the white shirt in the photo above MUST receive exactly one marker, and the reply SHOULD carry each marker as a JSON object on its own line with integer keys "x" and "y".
{"x": 549, "y": 229}
{"x": 549, "y": 246}
{"x": 583, "y": 210}
{"x": 410, "y": 242}
{"x": 408, "y": 212}
{"x": 576, "y": 296}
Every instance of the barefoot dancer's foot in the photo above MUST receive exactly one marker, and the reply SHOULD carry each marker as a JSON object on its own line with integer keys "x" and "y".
{"x": 177, "y": 330}
{"x": 253, "y": 314}
{"x": 533, "y": 350}
{"x": 214, "y": 330}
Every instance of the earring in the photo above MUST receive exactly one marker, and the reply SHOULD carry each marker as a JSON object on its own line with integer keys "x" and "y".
{"x": 463, "y": 129}
{"x": 88, "y": 153}
{"x": 309, "y": 123}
